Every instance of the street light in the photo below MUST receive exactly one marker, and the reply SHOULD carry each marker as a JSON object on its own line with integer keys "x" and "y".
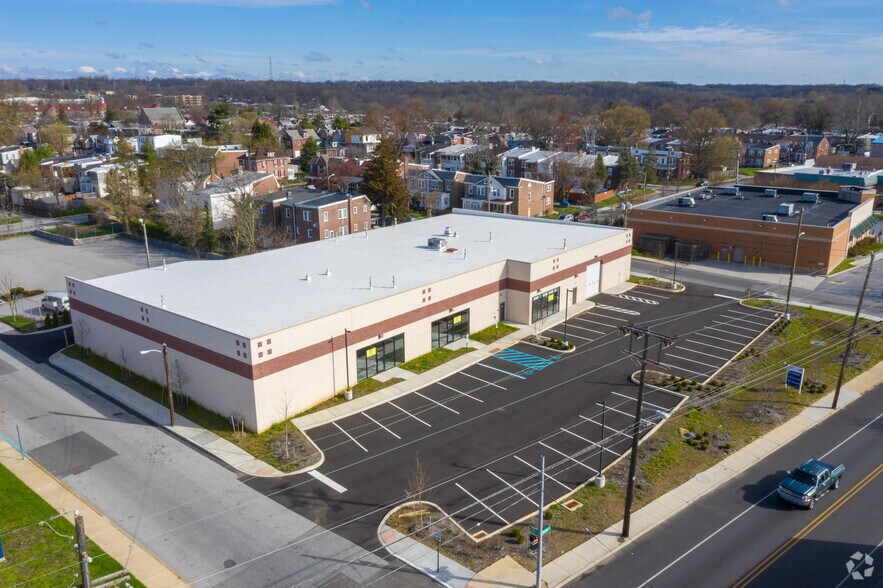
{"x": 674, "y": 277}
{"x": 348, "y": 394}
{"x": 146, "y": 248}
{"x": 165, "y": 361}
{"x": 567, "y": 292}
{"x": 600, "y": 480}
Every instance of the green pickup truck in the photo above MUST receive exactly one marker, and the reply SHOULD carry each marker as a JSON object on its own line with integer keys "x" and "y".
{"x": 809, "y": 482}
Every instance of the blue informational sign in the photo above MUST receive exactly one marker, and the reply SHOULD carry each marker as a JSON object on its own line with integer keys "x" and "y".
{"x": 2, "y": 556}
{"x": 438, "y": 536}
{"x": 794, "y": 377}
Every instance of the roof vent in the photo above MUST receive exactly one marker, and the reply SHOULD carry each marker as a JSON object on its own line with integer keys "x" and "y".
{"x": 437, "y": 243}
{"x": 449, "y": 232}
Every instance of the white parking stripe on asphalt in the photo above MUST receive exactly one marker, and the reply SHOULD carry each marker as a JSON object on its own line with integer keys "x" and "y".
{"x": 569, "y": 335}
{"x": 744, "y": 320}
{"x": 599, "y": 424}
{"x": 526, "y": 497}
{"x": 438, "y": 403}
{"x": 591, "y": 469}
{"x": 416, "y": 418}
{"x": 350, "y": 436}
{"x": 727, "y": 332}
{"x": 662, "y": 408}
{"x": 572, "y": 326}
{"x": 645, "y": 293}
{"x": 537, "y": 470}
{"x": 478, "y": 500}
{"x": 327, "y": 481}
{"x": 732, "y": 326}
{"x": 718, "y": 339}
{"x": 607, "y": 316}
{"x": 582, "y": 318}
{"x": 381, "y": 426}
{"x": 480, "y": 380}
{"x": 589, "y": 441}
{"x": 490, "y": 367}
{"x": 460, "y": 393}
{"x": 691, "y": 360}
{"x": 702, "y": 352}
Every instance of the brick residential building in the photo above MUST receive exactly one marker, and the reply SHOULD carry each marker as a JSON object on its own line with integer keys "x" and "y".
{"x": 267, "y": 161}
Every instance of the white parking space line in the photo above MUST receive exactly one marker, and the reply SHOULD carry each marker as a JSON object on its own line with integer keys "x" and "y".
{"x": 703, "y": 353}
{"x": 350, "y": 436}
{"x": 381, "y": 426}
{"x": 569, "y": 335}
{"x": 728, "y": 333}
{"x": 478, "y": 500}
{"x": 645, "y": 293}
{"x": 460, "y": 393}
{"x": 572, "y": 326}
{"x": 589, "y": 441}
{"x": 662, "y": 408}
{"x": 692, "y": 360}
{"x": 495, "y": 369}
{"x": 526, "y": 497}
{"x": 485, "y": 381}
{"x": 435, "y": 402}
{"x": 683, "y": 369}
{"x": 631, "y": 416}
{"x": 568, "y": 457}
{"x": 727, "y": 297}
{"x": 583, "y": 319}
{"x": 732, "y": 326}
{"x": 537, "y": 470}
{"x": 613, "y": 318}
{"x": 737, "y": 318}
{"x": 407, "y": 413}
{"x": 327, "y": 481}
{"x": 719, "y": 340}
{"x": 754, "y": 314}
{"x": 609, "y": 427}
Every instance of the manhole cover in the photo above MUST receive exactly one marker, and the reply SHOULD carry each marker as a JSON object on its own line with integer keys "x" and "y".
{"x": 229, "y": 564}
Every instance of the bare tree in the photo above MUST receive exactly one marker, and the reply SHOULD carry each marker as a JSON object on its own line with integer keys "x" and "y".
{"x": 81, "y": 335}
{"x": 8, "y": 285}
{"x": 180, "y": 379}
{"x": 243, "y": 227}
{"x": 418, "y": 484}
{"x": 286, "y": 408}
{"x": 124, "y": 363}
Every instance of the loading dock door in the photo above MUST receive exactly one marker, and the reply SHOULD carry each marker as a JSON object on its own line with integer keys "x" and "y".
{"x": 593, "y": 279}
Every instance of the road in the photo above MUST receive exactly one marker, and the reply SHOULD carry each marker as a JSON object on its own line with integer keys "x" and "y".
{"x": 31, "y": 223}
{"x": 195, "y": 514}
{"x": 743, "y": 535}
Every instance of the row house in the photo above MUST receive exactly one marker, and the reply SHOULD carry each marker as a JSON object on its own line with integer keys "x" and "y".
{"x": 798, "y": 148}
{"x": 518, "y": 196}
{"x": 220, "y": 196}
{"x": 453, "y": 157}
{"x": 301, "y": 215}
{"x": 361, "y": 143}
{"x": 336, "y": 173}
{"x": 527, "y": 162}
{"x": 760, "y": 155}
{"x": 431, "y": 187}
{"x": 9, "y": 158}
{"x": 293, "y": 141}
{"x": 669, "y": 164}
{"x": 265, "y": 161}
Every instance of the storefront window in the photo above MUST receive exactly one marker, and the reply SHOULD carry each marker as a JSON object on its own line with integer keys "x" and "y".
{"x": 450, "y": 328}
{"x": 380, "y": 357}
{"x": 545, "y": 304}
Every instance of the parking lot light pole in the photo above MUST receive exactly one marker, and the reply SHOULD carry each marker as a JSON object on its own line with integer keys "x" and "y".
{"x": 567, "y": 292}
{"x": 540, "y": 521}
{"x": 146, "y": 248}
{"x": 665, "y": 340}
{"x": 346, "y": 339}
{"x": 165, "y": 361}
{"x": 674, "y": 277}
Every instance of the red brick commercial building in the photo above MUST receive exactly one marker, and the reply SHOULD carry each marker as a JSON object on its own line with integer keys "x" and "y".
{"x": 755, "y": 229}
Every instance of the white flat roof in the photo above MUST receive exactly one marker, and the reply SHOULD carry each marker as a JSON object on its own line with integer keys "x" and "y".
{"x": 262, "y": 293}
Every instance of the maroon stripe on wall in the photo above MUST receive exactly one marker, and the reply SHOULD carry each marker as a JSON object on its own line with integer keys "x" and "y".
{"x": 316, "y": 350}
{"x": 207, "y": 355}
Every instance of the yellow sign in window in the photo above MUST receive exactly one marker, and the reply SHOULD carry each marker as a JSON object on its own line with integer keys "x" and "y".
{"x": 457, "y": 319}
{"x": 551, "y": 297}
{"x": 371, "y": 352}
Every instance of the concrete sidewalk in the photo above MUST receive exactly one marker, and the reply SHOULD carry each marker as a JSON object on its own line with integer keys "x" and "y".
{"x": 114, "y": 541}
{"x": 159, "y": 415}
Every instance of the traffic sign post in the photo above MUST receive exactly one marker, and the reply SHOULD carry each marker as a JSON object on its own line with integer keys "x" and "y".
{"x": 794, "y": 377}
{"x": 2, "y": 555}
{"x": 438, "y": 538}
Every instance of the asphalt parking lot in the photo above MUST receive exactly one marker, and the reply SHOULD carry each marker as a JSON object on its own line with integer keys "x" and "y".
{"x": 479, "y": 433}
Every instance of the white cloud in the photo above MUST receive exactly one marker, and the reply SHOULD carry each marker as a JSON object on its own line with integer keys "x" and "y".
{"x": 119, "y": 70}
{"x": 87, "y": 69}
{"x": 622, "y": 13}
{"x": 365, "y": 4}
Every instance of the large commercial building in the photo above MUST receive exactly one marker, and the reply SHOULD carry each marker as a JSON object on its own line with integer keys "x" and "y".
{"x": 295, "y": 326}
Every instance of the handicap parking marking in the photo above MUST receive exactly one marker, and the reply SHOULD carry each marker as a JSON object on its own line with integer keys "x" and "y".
{"x": 353, "y": 439}
{"x": 637, "y": 299}
{"x": 523, "y": 359}
{"x": 617, "y": 309}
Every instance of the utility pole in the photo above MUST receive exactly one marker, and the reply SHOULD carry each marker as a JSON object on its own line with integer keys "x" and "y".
{"x": 674, "y": 277}
{"x": 599, "y": 479}
{"x": 665, "y": 341}
{"x": 165, "y": 362}
{"x": 540, "y": 523}
{"x": 82, "y": 556}
{"x": 793, "y": 264}
{"x": 346, "y": 356}
{"x": 858, "y": 310}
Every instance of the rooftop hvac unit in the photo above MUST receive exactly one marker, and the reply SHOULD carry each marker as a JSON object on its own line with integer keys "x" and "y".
{"x": 449, "y": 232}
{"x": 812, "y": 197}
{"x": 437, "y": 243}
{"x": 786, "y": 209}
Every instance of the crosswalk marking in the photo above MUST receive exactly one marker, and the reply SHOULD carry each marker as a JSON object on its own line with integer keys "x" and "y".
{"x": 527, "y": 360}
{"x": 617, "y": 309}
{"x": 637, "y": 299}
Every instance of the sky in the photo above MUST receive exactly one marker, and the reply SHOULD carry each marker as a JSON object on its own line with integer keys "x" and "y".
{"x": 684, "y": 41}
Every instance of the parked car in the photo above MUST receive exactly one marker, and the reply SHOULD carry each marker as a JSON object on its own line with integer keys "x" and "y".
{"x": 810, "y": 481}
{"x": 565, "y": 217}
{"x": 581, "y": 215}
{"x": 701, "y": 183}
{"x": 55, "y": 301}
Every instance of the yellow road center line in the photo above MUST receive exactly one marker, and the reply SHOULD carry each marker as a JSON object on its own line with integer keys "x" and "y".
{"x": 785, "y": 547}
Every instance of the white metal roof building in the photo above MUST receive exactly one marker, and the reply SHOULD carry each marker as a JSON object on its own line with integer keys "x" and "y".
{"x": 250, "y": 329}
